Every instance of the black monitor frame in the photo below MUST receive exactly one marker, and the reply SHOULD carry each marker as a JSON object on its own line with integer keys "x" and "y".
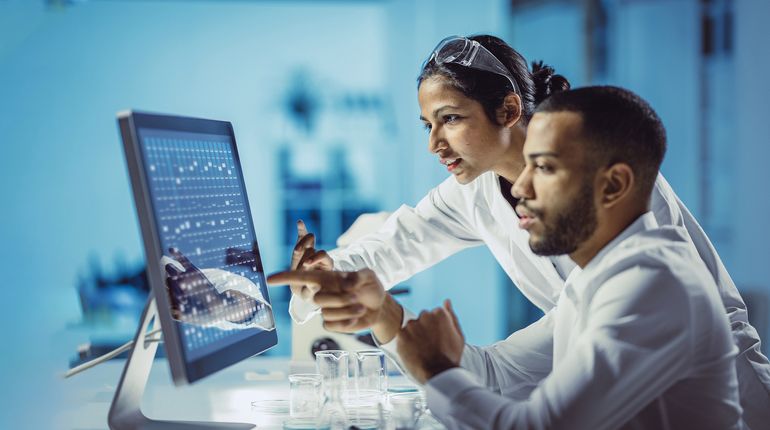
{"x": 182, "y": 370}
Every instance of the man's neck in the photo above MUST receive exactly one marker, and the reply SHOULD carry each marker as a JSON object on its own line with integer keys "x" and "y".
{"x": 607, "y": 230}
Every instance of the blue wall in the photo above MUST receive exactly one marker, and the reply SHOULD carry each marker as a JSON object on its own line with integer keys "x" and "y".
{"x": 65, "y": 72}
{"x": 749, "y": 200}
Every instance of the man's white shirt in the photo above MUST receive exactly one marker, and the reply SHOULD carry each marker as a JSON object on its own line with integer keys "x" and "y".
{"x": 638, "y": 340}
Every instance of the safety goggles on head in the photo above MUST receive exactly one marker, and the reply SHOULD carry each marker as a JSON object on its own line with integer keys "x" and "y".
{"x": 470, "y": 53}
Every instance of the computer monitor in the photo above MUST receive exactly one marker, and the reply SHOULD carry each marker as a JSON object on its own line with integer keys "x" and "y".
{"x": 203, "y": 260}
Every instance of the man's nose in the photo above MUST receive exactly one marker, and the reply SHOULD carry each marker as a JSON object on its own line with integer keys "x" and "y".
{"x": 522, "y": 187}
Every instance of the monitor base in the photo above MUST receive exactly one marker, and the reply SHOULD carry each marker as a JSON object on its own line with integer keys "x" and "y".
{"x": 125, "y": 410}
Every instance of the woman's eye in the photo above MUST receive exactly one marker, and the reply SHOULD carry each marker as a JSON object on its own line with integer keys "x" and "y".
{"x": 544, "y": 168}
{"x": 448, "y": 119}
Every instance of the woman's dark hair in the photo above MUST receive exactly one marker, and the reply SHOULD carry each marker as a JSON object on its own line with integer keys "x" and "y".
{"x": 490, "y": 89}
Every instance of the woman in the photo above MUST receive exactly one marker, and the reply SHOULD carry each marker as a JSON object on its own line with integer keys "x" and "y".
{"x": 476, "y": 97}
{"x": 481, "y": 139}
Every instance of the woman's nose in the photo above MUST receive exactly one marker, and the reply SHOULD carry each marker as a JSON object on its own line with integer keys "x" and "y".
{"x": 436, "y": 141}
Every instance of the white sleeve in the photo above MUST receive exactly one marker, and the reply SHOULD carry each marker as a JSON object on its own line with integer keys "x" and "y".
{"x": 623, "y": 360}
{"x": 753, "y": 366}
{"x": 513, "y": 367}
{"x": 413, "y": 239}
{"x": 410, "y": 241}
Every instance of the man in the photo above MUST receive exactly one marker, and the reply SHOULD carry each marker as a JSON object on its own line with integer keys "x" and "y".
{"x": 638, "y": 338}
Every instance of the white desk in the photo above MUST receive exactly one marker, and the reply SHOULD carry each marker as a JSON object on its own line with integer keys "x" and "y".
{"x": 224, "y": 396}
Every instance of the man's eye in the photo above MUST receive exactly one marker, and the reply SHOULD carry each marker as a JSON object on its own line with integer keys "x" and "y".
{"x": 544, "y": 168}
{"x": 426, "y": 126}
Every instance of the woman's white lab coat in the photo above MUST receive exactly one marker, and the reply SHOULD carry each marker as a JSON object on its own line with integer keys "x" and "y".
{"x": 453, "y": 217}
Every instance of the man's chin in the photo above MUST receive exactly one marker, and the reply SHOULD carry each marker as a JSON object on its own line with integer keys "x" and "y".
{"x": 545, "y": 249}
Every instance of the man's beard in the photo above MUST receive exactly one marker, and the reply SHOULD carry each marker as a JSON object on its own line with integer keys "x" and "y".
{"x": 570, "y": 228}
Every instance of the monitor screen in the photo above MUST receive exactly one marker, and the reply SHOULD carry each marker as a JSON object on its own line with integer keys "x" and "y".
{"x": 203, "y": 261}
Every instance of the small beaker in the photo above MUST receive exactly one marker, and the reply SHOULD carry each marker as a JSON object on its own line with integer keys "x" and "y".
{"x": 406, "y": 409}
{"x": 306, "y": 395}
{"x": 364, "y": 409}
{"x": 370, "y": 371}
{"x": 332, "y": 365}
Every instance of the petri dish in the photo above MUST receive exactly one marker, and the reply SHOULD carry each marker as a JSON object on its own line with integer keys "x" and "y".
{"x": 271, "y": 407}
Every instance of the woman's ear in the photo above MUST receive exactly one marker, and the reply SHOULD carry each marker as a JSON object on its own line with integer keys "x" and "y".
{"x": 619, "y": 183}
{"x": 510, "y": 112}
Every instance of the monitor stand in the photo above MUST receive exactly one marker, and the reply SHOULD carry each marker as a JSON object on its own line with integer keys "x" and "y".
{"x": 125, "y": 411}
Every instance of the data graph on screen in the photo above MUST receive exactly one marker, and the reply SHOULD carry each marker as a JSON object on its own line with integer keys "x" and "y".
{"x": 216, "y": 279}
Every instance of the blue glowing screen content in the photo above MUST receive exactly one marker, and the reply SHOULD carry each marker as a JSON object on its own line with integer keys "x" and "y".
{"x": 214, "y": 276}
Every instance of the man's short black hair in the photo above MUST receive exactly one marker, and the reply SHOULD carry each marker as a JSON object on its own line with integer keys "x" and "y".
{"x": 619, "y": 127}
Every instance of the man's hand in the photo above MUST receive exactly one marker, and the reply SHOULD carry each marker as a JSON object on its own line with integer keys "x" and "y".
{"x": 349, "y": 301}
{"x": 306, "y": 257}
{"x": 432, "y": 343}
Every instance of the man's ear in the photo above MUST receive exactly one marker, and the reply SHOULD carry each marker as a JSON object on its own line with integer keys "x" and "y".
{"x": 510, "y": 112}
{"x": 618, "y": 182}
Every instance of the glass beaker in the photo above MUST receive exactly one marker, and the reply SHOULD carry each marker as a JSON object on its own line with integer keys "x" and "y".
{"x": 364, "y": 409}
{"x": 370, "y": 371}
{"x": 306, "y": 395}
{"x": 406, "y": 409}
{"x": 332, "y": 365}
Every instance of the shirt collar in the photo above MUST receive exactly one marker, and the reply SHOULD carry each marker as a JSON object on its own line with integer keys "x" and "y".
{"x": 645, "y": 222}
{"x": 576, "y": 279}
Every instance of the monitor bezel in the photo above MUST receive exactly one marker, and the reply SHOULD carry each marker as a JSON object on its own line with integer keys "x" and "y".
{"x": 182, "y": 370}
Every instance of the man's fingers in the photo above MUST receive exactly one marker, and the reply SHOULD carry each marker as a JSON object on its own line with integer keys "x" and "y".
{"x": 405, "y": 335}
{"x": 412, "y": 326}
{"x": 334, "y": 300}
{"x": 343, "y": 314}
{"x": 451, "y": 312}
